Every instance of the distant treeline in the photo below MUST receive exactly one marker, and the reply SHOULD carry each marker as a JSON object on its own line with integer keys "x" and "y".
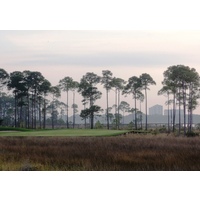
{"x": 34, "y": 98}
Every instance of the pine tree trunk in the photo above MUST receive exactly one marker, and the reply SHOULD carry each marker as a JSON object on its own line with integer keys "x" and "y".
{"x": 135, "y": 115}
{"x": 118, "y": 109}
{"x": 73, "y": 109}
{"x": 67, "y": 110}
{"x": 40, "y": 118}
{"x": 32, "y": 112}
{"x": 52, "y": 116}
{"x": 184, "y": 109}
{"x": 146, "y": 108}
{"x": 168, "y": 112}
{"x": 20, "y": 113}
{"x": 15, "y": 110}
{"x": 44, "y": 114}
{"x": 191, "y": 109}
{"x": 107, "y": 110}
{"x": 179, "y": 104}
{"x": 35, "y": 126}
{"x": 18, "y": 119}
{"x": 141, "y": 114}
{"x": 92, "y": 120}
{"x": 92, "y": 113}
{"x": 28, "y": 113}
{"x": 174, "y": 112}
{"x": 85, "y": 118}
{"x": 188, "y": 122}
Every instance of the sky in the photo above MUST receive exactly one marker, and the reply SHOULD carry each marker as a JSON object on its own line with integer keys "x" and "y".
{"x": 126, "y": 53}
{"x": 70, "y": 38}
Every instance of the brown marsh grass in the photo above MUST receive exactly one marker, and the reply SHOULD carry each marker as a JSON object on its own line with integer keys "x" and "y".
{"x": 122, "y": 153}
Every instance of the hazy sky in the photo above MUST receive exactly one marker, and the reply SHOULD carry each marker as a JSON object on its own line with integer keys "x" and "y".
{"x": 162, "y": 33}
{"x": 57, "y": 54}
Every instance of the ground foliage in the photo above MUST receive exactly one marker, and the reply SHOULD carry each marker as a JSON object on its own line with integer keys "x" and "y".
{"x": 126, "y": 152}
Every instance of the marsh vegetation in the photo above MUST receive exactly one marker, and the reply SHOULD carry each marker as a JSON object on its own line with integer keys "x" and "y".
{"x": 122, "y": 153}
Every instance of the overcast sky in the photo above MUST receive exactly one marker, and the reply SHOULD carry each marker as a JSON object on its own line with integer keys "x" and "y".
{"x": 127, "y": 37}
{"x": 57, "y": 54}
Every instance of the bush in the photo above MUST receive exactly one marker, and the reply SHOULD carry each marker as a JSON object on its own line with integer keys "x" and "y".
{"x": 191, "y": 134}
{"x": 155, "y": 131}
{"x": 98, "y": 125}
{"x": 198, "y": 126}
{"x": 163, "y": 129}
{"x": 130, "y": 126}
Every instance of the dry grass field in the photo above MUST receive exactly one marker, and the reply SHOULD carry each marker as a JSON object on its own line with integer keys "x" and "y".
{"x": 122, "y": 153}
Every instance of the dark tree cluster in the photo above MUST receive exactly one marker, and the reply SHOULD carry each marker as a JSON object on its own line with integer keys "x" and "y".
{"x": 183, "y": 84}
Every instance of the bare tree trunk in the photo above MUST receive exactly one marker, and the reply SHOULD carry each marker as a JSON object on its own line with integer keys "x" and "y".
{"x": 179, "y": 104}
{"x": 174, "y": 112}
{"x": 40, "y": 118}
{"x": 146, "y": 108}
{"x": 118, "y": 109}
{"x": 73, "y": 109}
{"x": 52, "y": 116}
{"x": 191, "y": 120}
{"x": 35, "y": 110}
{"x": 141, "y": 114}
{"x": 188, "y": 122}
{"x": 85, "y": 118}
{"x": 184, "y": 108}
{"x": 32, "y": 112}
{"x": 27, "y": 118}
{"x": 15, "y": 110}
{"x": 92, "y": 120}
{"x": 123, "y": 118}
{"x": 20, "y": 113}
{"x": 44, "y": 114}
{"x": 67, "y": 110}
{"x": 107, "y": 110}
{"x": 92, "y": 114}
{"x": 168, "y": 112}
{"x": 135, "y": 115}
{"x": 191, "y": 109}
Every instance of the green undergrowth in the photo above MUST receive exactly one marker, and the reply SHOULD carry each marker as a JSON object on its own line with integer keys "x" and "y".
{"x": 2, "y": 128}
{"x": 59, "y": 132}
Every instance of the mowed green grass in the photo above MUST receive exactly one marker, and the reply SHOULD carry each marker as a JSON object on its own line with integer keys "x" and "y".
{"x": 65, "y": 132}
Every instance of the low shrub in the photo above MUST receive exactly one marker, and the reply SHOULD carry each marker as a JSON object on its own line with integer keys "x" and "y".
{"x": 155, "y": 132}
{"x": 163, "y": 129}
{"x": 191, "y": 134}
{"x": 98, "y": 125}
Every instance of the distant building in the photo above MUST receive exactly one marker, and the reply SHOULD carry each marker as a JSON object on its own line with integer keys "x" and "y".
{"x": 171, "y": 111}
{"x": 156, "y": 110}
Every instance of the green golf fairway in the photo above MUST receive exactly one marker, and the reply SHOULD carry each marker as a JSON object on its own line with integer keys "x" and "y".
{"x": 64, "y": 132}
